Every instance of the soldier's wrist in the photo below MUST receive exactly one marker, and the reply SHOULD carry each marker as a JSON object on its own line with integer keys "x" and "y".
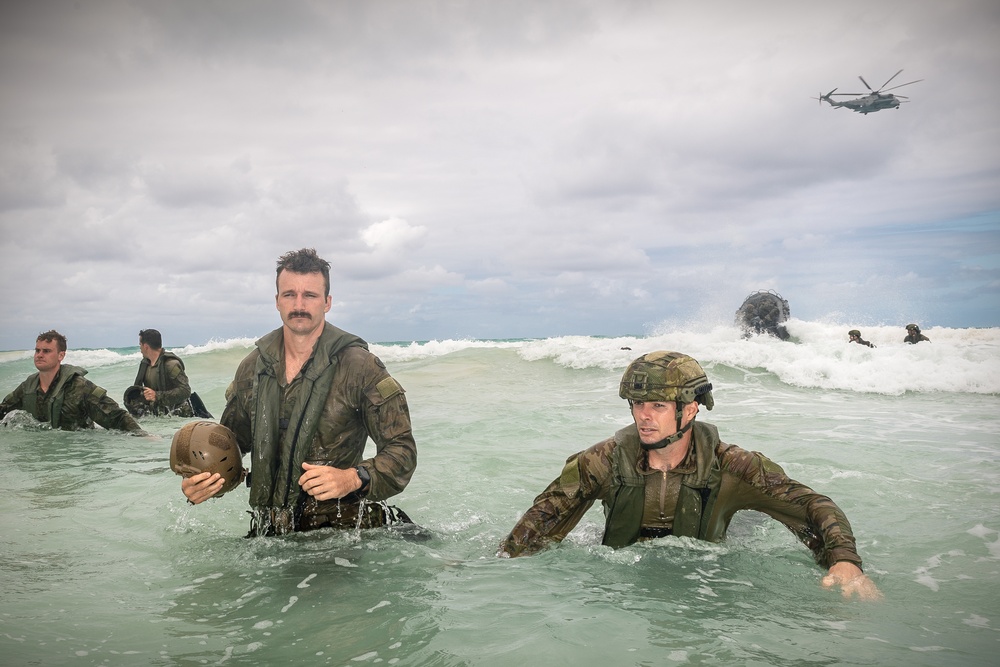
{"x": 364, "y": 477}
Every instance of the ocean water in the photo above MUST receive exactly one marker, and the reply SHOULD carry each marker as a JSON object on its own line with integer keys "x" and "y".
{"x": 103, "y": 563}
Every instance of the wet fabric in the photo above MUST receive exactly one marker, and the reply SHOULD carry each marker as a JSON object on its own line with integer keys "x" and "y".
{"x": 723, "y": 480}
{"x": 72, "y": 402}
{"x": 170, "y": 382}
{"x": 342, "y": 396}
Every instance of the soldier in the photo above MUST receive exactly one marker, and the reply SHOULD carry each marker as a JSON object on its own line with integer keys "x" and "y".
{"x": 854, "y": 336}
{"x": 161, "y": 386}
{"x": 305, "y": 401}
{"x": 60, "y": 394}
{"x": 913, "y": 335}
{"x": 668, "y": 474}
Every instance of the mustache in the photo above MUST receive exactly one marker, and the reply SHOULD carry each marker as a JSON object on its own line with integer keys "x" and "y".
{"x": 299, "y": 313}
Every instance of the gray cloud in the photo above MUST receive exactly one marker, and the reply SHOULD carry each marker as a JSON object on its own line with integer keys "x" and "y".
{"x": 492, "y": 169}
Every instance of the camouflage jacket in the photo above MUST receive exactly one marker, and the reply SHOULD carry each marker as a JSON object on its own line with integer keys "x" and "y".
{"x": 738, "y": 479}
{"x": 168, "y": 379}
{"x": 72, "y": 402}
{"x": 363, "y": 401}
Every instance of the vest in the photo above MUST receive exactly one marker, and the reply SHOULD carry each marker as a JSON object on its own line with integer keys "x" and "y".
{"x": 696, "y": 498}
{"x": 32, "y": 385}
{"x": 278, "y": 463}
{"x": 162, "y": 380}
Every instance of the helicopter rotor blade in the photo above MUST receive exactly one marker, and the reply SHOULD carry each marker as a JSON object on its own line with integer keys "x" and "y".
{"x": 902, "y": 84}
{"x": 865, "y": 82}
{"x": 890, "y": 79}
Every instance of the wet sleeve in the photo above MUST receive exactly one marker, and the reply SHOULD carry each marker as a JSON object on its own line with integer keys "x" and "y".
{"x": 236, "y": 415}
{"x": 105, "y": 411}
{"x": 813, "y": 518}
{"x": 559, "y": 508}
{"x": 180, "y": 390}
{"x": 387, "y": 420}
{"x": 12, "y": 401}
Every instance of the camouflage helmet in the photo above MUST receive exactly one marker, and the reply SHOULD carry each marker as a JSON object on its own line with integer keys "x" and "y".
{"x": 666, "y": 376}
{"x": 205, "y": 446}
{"x": 912, "y": 327}
{"x": 854, "y": 332}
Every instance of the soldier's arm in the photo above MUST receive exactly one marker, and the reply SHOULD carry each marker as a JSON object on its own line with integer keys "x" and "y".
{"x": 11, "y": 402}
{"x": 236, "y": 415}
{"x": 387, "y": 420}
{"x": 103, "y": 409}
{"x": 814, "y": 518}
{"x": 557, "y": 510}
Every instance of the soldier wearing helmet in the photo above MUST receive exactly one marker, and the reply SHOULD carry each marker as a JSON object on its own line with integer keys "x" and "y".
{"x": 305, "y": 402}
{"x": 854, "y": 336}
{"x": 669, "y": 474}
{"x": 913, "y": 335}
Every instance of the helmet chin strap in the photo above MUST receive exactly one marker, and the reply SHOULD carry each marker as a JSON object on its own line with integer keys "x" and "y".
{"x": 671, "y": 439}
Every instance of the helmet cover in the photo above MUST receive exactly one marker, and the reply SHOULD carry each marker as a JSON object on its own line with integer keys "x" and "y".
{"x": 666, "y": 376}
{"x": 854, "y": 332}
{"x": 912, "y": 327}
{"x": 205, "y": 446}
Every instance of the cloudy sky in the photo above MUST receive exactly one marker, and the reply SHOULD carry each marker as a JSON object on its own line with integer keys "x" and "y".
{"x": 493, "y": 169}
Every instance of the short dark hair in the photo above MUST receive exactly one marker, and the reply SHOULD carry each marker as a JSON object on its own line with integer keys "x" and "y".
{"x": 304, "y": 261}
{"x": 53, "y": 335}
{"x": 152, "y": 338}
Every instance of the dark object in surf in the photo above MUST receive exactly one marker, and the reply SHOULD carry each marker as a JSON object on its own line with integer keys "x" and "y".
{"x": 763, "y": 312}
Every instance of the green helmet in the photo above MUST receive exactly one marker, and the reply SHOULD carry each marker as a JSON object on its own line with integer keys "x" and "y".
{"x": 912, "y": 327}
{"x": 666, "y": 376}
{"x": 205, "y": 446}
{"x": 854, "y": 332}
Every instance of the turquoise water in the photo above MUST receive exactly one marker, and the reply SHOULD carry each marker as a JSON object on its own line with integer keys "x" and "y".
{"x": 103, "y": 563}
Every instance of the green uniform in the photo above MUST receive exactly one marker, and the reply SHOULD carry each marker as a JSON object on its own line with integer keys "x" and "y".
{"x": 696, "y": 499}
{"x": 72, "y": 402}
{"x": 173, "y": 391}
{"x": 914, "y": 338}
{"x": 342, "y": 396}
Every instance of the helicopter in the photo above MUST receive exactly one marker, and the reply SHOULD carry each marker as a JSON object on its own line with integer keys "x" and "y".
{"x": 876, "y": 100}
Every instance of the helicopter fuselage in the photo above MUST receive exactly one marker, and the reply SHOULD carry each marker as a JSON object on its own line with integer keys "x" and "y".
{"x": 869, "y": 103}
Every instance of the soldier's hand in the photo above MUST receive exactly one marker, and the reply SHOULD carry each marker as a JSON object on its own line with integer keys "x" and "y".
{"x": 327, "y": 482}
{"x": 852, "y": 581}
{"x": 149, "y": 394}
{"x": 202, "y": 486}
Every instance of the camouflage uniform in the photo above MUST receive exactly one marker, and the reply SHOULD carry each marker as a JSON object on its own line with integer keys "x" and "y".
{"x": 173, "y": 391}
{"x": 915, "y": 337}
{"x": 72, "y": 402}
{"x": 697, "y": 499}
{"x": 284, "y": 424}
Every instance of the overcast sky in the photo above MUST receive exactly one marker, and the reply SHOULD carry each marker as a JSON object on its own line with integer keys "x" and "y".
{"x": 493, "y": 169}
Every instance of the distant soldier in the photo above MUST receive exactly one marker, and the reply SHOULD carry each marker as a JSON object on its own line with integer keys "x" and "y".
{"x": 60, "y": 394}
{"x": 854, "y": 336}
{"x": 667, "y": 474}
{"x": 913, "y": 335}
{"x": 161, "y": 386}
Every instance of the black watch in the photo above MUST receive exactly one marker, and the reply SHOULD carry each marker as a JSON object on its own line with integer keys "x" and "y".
{"x": 366, "y": 477}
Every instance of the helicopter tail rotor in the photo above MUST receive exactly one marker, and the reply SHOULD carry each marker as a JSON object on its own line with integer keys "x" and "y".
{"x": 825, "y": 97}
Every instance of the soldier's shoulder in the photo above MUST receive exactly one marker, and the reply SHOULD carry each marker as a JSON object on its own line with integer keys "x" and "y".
{"x": 249, "y": 362}
{"x": 357, "y": 358}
